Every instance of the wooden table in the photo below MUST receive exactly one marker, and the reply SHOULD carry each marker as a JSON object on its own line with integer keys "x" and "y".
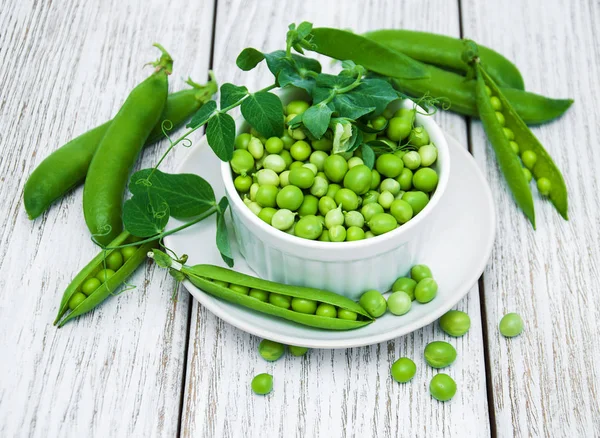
{"x": 142, "y": 365}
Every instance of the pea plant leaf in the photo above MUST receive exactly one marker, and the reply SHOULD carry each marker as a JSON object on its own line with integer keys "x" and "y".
{"x": 372, "y": 93}
{"x": 368, "y": 156}
{"x": 203, "y": 114}
{"x": 222, "y": 234}
{"x": 187, "y": 195}
{"x": 145, "y": 214}
{"x": 297, "y": 71}
{"x": 231, "y": 94}
{"x": 264, "y": 112}
{"x": 249, "y": 58}
{"x": 220, "y": 134}
{"x": 355, "y": 140}
{"x": 316, "y": 119}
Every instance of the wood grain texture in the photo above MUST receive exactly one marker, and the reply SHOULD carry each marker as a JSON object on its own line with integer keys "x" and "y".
{"x": 547, "y": 382}
{"x": 345, "y": 393}
{"x": 67, "y": 66}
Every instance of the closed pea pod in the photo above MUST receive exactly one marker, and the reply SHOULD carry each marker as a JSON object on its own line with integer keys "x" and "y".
{"x": 118, "y": 150}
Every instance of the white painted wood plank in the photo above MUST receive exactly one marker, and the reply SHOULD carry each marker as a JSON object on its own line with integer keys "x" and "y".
{"x": 546, "y": 383}
{"x": 67, "y": 66}
{"x": 330, "y": 392}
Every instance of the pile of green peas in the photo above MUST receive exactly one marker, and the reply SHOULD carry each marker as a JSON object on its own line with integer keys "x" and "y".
{"x": 112, "y": 263}
{"x": 300, "y": 187}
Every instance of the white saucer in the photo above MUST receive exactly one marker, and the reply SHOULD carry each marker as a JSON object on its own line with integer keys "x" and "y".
{"x": 461, "y": 246}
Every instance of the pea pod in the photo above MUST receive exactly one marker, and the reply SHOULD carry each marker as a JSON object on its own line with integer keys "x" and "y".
{"x": 67, "y": 167}
{"x": 544, "y": 166}
{"x": 118, "y": 150}
{"x": 446, "y": 52}
{"x": 210, "y": 279}
{"x": 460, "y": 92}
{"x": 343, "y": 45}
{"x": 105, "y": 289}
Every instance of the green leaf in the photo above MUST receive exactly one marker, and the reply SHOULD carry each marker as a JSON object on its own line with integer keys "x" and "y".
{"x": 264, "y": 112}
{"x": 355, "y": 141}
{"x": 203, "y": 114}
{"x": 368, "y": 156}
{"x": 369, "y": 129}
{"x": 249, "y": 58}
{"x": 304, "y": 29}
{"x": 145, "y": 214}
{"x": 187, "y": 195}
{"x": 222, "y": 234}
{"x": 316, "y": 119}
{"x": 373, "y": 93}
{"x": 220, "y": 134}
{"x": 231, "y": 94}
{"x": 296, "y": 72}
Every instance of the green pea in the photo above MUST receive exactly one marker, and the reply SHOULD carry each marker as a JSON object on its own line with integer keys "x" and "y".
{"x": 514, "y": 146}
{"x": 500, "y": 118}
{"x": 242, "y": 140}
{"x": 389, "y": 165}
{"x": 239, "y": 289}
{"x": 385, "y": 199}
{"x": 370, "y": 197}
{"x": 297, "y": 107}
{"x": 266, "y": 196}
{"x": 406, "y": 285}
{"x": 399, "y": 303}
{"x": 254, "y": 208}
{"x": 373, "y": 302}
{"x": 326, "y": 310}
{"x": 442, "y": 387}
{"x": 488, "y": 90}
{"x": 354, "y": 233}
{"x": 267, "y": 177}
{"x": 405, "y": 178}
{"x": 279, "y": 300}
{"x": 274, "y": 145}
{"x": 284, "y": 178}
{"x": 274, "y": 162}
{"x": 528, "y": 175}
{"x": 337, "y": 233}
{"x": 287, "y": 157}
{"x": 90, "y": 285}
{"x": 496, "y": 104}
{"x": 302, "y": 177}
{"x": 426, "y": 290}
{"x": 508, "y": 133}
{"x": 400, "y": 153}
{"x": 256, "y": 148}
{"x": 347, "y": 198}
{"x": 401, "y": 210}
{"x": 318, "y": 159}
{"x": 266, "y": 214}
{"x": 325, "y": 204}
{"x": 128, "y": 252}
{"x": 428, "y": 154}
{"x": 403, "y": 370}
{"x": 242, "y": 183}
{"x": 287, "y": 140}
{"x": 319, "y": 187}
{"x": 347, "y": 315}
{"x": 76, "y": 300}
{"x": 260, "y": 295}
{"x": 399, "y": 128}
{"x": 370, "y": 210}
{"x": 390, "y": 185}
{"x": 439, "y": 354}
{"x": 455, "y": 323}
{"x": 334, "y": 217}
{"x": 412, "y": 160}
{"x": 355, "y": 161}
{"x": 309, "y": 206}
{"x": 417, "y": 200}
{"x": 425, "y": 179}
{"x": 511, "y": 325}
{"x": 281, "y": 219}
{"x": 375, "y": 179}
{"x": 300, "y": 150}
{"x": 221, "y": 283}
{"x": 114, "y": 260}
{"x": 253, "y": 190}
{"x": 369, "y": 235}
{"x": 382, "y": 223}
{"x": 242, "y": 161}
{"x": 290, "y": 197}
{"x": 420, "y": 272}
{"x": 302, "y": 305}
{"x": 262, "y": 384}
{"x": 406, "y": 113}
{"x": 297, "y": 351}
{"x": 324, "y": 237}
{"x": 379, "y": 123}
{"x": 418, "y": 137}
{"x": 358, "y": 179}
{"x": 354, "y": 219}
{"x": 529, "y": 159}
{"x": 309, "y": 227}
{"x": 312, "y": 167}
{"x": 332, "y": 189}
{"x": 270, "y": 350}
{"x": 323, "y": 144}
{"x": 335, "y": 168}
{"x": 105, "y": 274}
{"x": 544, "y": 186}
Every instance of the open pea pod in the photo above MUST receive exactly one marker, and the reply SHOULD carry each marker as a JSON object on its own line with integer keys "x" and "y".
{"x": 105, "y": 289}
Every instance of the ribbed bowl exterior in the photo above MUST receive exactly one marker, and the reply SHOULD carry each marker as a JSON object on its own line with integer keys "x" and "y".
{"x": 347, "y": 268}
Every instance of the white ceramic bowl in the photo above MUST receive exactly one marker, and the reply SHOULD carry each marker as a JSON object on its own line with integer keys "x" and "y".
{"x": 347, "y": 268}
